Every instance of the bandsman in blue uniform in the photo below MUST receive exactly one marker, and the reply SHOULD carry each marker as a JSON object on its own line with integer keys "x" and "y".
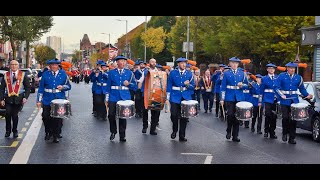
{"x": 137, "y": 97}
{"x": 269, "y": 100}
{"x": 100, "y": 78}
{"x": 256, "y": 100}
{"x": 94, "y": 86}
{"x": 53, "y": 85}
{"x": 247, "y": 95}
{"x": 180, "y": 87}
{"x": 216, "y": 80}
{"x": 233, "y": 82}
{"x": 287, "y": 85}
{"x": 139, "y": 93}
{"x": 119, "y": 81}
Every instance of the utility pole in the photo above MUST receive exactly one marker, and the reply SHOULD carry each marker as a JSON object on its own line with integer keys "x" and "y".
{"x": 188, "y": 38}
{"x": 145, "y": 44}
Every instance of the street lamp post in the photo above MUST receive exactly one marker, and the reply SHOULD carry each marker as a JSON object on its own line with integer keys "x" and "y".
{"x": 109, "y": 43}
{"x": 145, "y": 44}
{"x": 126, "y": 48}
{"x": 188, "y": 32}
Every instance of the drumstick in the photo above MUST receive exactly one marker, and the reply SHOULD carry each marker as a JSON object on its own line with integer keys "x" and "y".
{"x": 259, "y": 110}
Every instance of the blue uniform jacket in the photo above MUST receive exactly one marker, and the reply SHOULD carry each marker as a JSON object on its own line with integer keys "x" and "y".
{"x": 217, "y": 82}
{"x": 267, "y": 89}
{"x": 255, "y": 94}
{"x": 101, "y": 83}
{"x": 50, "y": 83}
{"x": 94, "y": 82}
{"x": 246, "y": 92}
{"x": 229, "y": 86}
{"x": 116, "y": 80}
{"x": 288, "y": 86}
{"x": 175, "y": 80}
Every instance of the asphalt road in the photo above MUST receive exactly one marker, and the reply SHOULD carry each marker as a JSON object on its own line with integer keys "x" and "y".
{"x": 86, "y": 141}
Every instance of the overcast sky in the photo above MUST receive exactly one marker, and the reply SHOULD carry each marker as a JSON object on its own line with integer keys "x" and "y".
{"x": 72, "y": 28}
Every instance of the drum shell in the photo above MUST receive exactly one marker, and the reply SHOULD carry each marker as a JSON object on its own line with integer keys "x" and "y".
{"x": 244, "y": 113}
{"x": 189, "y": 110}
{"x": 60, "y": 110}
{"x": 299, "y": 113}
{"x": 125, "y": 111}
{"x": 155, "y": 90}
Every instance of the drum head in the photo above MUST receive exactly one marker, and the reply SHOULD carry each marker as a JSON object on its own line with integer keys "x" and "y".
{"x": 299, "y": 105}
{"x": 189, "y": 102}
{"x": 125, "y": 102}
{"x": 244, "y": 104}
{"x": 60, "y": 101}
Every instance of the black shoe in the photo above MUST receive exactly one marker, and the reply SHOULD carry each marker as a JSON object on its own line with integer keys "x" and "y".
{"x": 273, "y": 136}
{"x": 15, "y": 135}
{"x": 211, "y": 110}
{"x": 112, "y": 136}
{"x": 206, "y": 111}
{"x": 122, "y": 139}
{"x": 7, "y": 134}
{"x": 265, "y": 135}
{"x": 228, "y": 136}
{"x": 253, "y": 130}
{"x": 144, "y": 130}
{"x": 153, "y": 133}
{"x": 55, "y": 140}
{"x": 173, "y": 135}
{"x": 59, "y": 136}
{"x": 236, "y": 139}
{"x": 182, "y": 139}
{"x": 47, "y": 137}
{"x": 284, "y": 137}
{"x": 292, "y": 141}
{"x": 217, "y": 115}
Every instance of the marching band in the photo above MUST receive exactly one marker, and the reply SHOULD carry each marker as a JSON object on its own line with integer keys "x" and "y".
{"x": 120, "y": 92}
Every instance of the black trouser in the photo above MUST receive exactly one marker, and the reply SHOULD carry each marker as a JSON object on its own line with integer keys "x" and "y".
{"x": 100, "y": 105}
{"x": 139, "y": 102}
{"x": 113, "y": 123}
{"x": 288, "y": 125}
{"x": 218, "y": 105}
{"x": 93, "y": 103}
{"x": 207, "y": 96}
{"x": 155, "y": 114}
{"x": 12, "y": 111}
{"x": 255, "y": 116}
{"x": 196, "y": 96}
{"x": 51, "y": 125}
{"x": 132, "y": 94}
{"x": 233, "y": 122}
{"x": 270, "y": 119}
{"x": 175, "y": 116}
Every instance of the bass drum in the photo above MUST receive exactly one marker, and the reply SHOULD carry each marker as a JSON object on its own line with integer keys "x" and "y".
{"x": 155, "y": 90}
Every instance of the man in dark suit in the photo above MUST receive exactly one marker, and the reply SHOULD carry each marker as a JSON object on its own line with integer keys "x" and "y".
{"x": 14, "y": 92}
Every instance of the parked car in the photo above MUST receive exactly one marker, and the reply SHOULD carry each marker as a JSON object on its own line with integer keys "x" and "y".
{"x": 36, "y": 79}
{"x": 312, "y": 124}
{"x": 31, "y": 77}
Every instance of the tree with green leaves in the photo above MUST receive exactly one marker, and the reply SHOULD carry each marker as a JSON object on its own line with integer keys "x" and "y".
{"x": 44, "y": 53}
{"x": 154, "y": 39}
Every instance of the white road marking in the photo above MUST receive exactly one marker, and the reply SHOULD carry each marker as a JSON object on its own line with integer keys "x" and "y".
{"x": 30, "y": 119}
{"x": 23, "y": 152}
{"x": 208, "y": 160}
{"x": 203, "y": 154}
{"x": 27, "y": 123}
{"x": 23, "y": 129}
{"x": 279, "y": 127}
{"x": 32, "y": 115}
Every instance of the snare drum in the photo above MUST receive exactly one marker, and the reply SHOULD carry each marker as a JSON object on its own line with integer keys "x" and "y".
{"x": 299, "y": 112}
{"x": 189, "y": 108}
{"x": 60, "y": 108}
{"x": 125, "y": 109}
{"x": 244, "y": 111}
